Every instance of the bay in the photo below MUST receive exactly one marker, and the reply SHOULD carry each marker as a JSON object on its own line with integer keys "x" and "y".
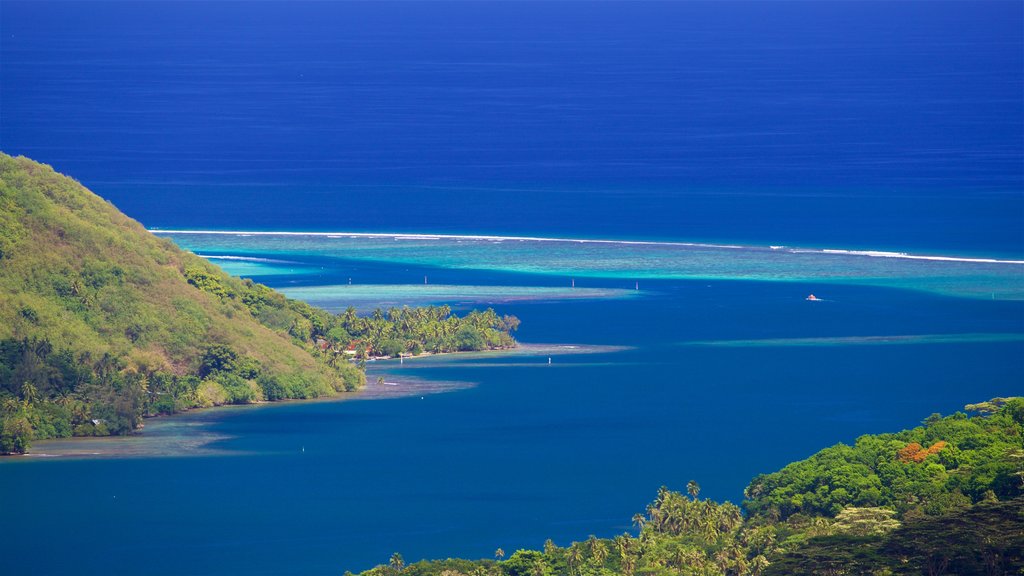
{"x": 891, "y": 127}
{"x": 712, "y": 380}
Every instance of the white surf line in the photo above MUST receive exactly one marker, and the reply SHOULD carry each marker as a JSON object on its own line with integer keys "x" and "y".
{"x": 785, "y": 249}
{"x": 882, "y": 254}
{"x": 244, "y": 258}
{"x": 400, "y": 236}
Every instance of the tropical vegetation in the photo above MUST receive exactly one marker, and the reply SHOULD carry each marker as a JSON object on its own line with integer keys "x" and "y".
{"x": 103, "y": 323}
{"x": 946, "y": 497}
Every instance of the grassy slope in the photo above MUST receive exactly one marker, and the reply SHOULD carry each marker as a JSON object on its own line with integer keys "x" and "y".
{"x": 76, "y": 270}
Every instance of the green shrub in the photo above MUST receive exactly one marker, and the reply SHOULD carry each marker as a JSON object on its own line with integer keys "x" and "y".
{"x": 211, "y": 393}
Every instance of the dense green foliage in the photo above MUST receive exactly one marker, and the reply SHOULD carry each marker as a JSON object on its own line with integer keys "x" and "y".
{"x": 968, "y": 457}
{"x": 415, "y": 330}
{"x": 102, "y": 323}
{"x": 880, "y": 507}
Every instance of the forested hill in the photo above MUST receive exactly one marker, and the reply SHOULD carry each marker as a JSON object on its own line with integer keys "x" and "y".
{"x": 102, "y": 323}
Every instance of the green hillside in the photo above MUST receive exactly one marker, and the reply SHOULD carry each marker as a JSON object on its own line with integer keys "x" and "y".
{"x": 101, "y": 322}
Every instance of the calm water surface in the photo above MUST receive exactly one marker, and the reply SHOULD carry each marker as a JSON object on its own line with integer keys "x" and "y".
{"x": 720, "y": 381}
{"x": 883, "y": 125}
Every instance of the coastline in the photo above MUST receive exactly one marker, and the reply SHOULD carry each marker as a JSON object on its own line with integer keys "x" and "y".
{"x": 190, "y": 434}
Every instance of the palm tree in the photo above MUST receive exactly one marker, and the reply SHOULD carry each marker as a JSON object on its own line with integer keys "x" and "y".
{"x": 397, "y": 563}
{"x": 692, "y": 559}
{"x": 598, "y": 552}
{"x": 639, "y": 520}
{"x": 29, "y": 394}
{"x": 693, "y": 488}
{"x": 334, "y": 357}
{"x": 731, "y": 517}
{"x": 709, "y": 522}
{"x": 499, "y": 553}
{"x": 348, "y": 318}
{"x": 574, "y": 558}
{"x": 624, "y": 544}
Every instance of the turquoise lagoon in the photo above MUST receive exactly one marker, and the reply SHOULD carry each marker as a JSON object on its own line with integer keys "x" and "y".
{"x": 562, "y": 258}
{"x": 666, "y": 362}
{"x": 876, "y": 126}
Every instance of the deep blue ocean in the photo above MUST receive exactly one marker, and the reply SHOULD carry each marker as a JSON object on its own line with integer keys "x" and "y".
{"x": 895, "y": 126}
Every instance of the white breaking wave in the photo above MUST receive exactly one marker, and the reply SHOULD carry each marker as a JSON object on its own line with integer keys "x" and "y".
{"x": 883, "y": 254}
{"x": 492, "y": 238}
{"x": 244, "y": 259}
{"x": 405, "y": 236}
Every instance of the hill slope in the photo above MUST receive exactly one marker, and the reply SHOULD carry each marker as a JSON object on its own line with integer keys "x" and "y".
{"x": 101, "y": 322}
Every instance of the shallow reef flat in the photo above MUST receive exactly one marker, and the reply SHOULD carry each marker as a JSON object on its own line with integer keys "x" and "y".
{"x": 363, "y": 297}
{"x": 950, "y": 275}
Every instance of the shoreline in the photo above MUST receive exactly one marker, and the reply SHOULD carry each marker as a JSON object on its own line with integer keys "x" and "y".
{"x": 189, "y": 434}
